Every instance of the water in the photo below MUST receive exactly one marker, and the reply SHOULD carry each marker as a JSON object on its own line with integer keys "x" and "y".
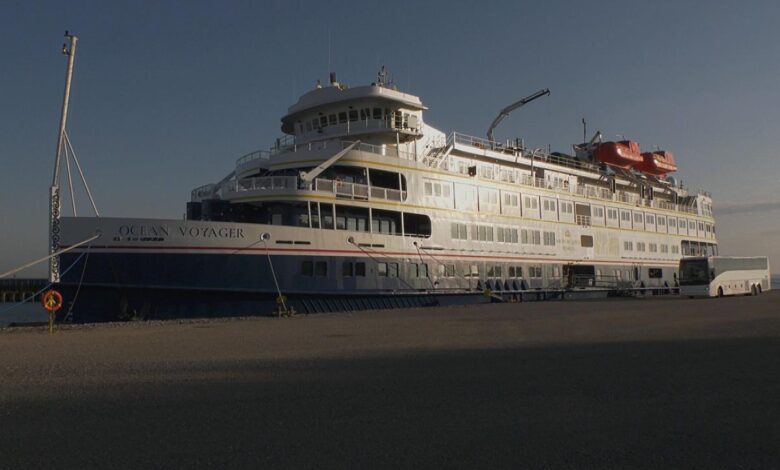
{"x": 28, "y": 312}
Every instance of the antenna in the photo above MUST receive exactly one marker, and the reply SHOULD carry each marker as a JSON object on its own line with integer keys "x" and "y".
{"x": 584, "y": 130}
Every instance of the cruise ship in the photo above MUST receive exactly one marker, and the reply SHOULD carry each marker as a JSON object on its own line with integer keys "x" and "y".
{"x": 363, "y": 204}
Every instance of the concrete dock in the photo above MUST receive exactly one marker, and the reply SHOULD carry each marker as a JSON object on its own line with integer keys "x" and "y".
{"x": 626, "y": 383}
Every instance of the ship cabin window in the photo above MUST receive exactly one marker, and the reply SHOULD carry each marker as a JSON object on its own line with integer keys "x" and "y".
{"x": 483, "y": 233}
{"x": 549, "y": 238}
{"x": 307, "y": 268}
{"x": 458, "y": 231}
{"x": 417, "y": 225}
{"x": 506, "y": 235}
{"x": 386, "y": 222}
{"x": 342, "y": 117}
{"x": 673, "y": 223}
{"x": 350, "y": 269}
{"x": 531, "y": 202}
{"x": 548, "y": 205}
{"x": 321, "y": 269}
{"x": 655, "y": 273}
{"x": 419, "y": 270}
{"x": 535, "y": 272}
{"x": 530, "y": 237}
{"x": 353, "y": 115}
{"x": 323, "y": 121}
{"x": 352, "y": 218}
{"x": 625, "y": 216}
{"x": 494, "y": 271}
{"x": 387, "y": 179}
{"x": 664, "y": 248}
{"x": 446, "y": 270}
{"x": 586, "y": 241}
{"x": 640, "y": 246}
{"x": 566, "y": 207}
{"x": 683, "y": 225}
{"x": 612, "y": 214}
{"x": 637, "y": 218}
{"x": 365, "y": 114}
{"x": 675, "y": 250}
{"x": 628, "y": 246}
{"x": 650, "y": 219}
{"x": 515, "y": 271}
{"x": 377, "y": 113}
{"x": 701, "y": 227}
{"x": 387, "y": 269}
{"x": 510, "y": 199}
{"x": 332, "y": 120}
{"x": 653, "y": 248}
{"x": 661, "y": 221}
{"x": 308, "y": 126}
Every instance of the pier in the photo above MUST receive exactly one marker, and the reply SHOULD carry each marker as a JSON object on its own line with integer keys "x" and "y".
{"x": 616, "y": 383}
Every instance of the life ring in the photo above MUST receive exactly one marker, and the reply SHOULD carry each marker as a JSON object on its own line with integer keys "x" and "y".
{"x": 51, "y": 300}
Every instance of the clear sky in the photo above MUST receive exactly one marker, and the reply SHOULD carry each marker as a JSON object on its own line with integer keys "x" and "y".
{"x": 167, "y": 95}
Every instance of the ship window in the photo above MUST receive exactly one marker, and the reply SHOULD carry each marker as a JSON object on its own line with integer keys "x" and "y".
{"x": 377, "y": 113}
{"x": 360, "y": 269}
{"x": 321, "y": 268}
{"x": 637, "y": 218}
{"x": 420, "y": 270}
{"x": 315, "y": 123}
{"x": 673, "y": 223}
{"x": 332, "y": 119}
{"x": 654, "y": 273}
{"x": 661, "y": 221}
{"x": 342, "y": 117}
{"x": 628, "y": 246}
{"x": 353, "y": 115}
{"x": 307, "y": 268}
{"x": 326, "y": 215}
{"x": 392, "y": 269}
{"x": 347, "y": 269}
{"x": 640, "y": 246}
{"x": 683, "y": 225}
{"x": 308, "y": 126}
{"x": 365, "y": 114}
{"x": 315, "y": 214}
{"x": 653, "y": 248}
{"x": 586, "y": 241}
{"x": 535, "y": 272}
{"x": 625, "y": 216}
{"x": 352, "y": 218}
{"x": 650, "y": 219}
{"x": 417, "y": 225}
{"x": 387, "y": 222}
{"x": 458, "y": 231}
{"x": 549, "y": 238}
{"x": 323, "y": 121}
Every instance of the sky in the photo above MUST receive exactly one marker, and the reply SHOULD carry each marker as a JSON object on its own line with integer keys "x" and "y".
{"x": 166, "y": 95}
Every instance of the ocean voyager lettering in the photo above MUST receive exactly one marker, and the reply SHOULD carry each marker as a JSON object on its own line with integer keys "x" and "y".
{"x": 143, "y": 232}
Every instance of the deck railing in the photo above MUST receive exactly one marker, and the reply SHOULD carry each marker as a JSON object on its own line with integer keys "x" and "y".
{"x": 589, "y": 191}
{"x": 339, "y": 188}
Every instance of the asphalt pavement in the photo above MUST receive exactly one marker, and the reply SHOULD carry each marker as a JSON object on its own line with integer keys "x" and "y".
{"x": 653, "y": 383}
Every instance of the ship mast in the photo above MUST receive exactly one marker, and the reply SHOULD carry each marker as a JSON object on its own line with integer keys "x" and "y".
{"x": 54, "y": 190}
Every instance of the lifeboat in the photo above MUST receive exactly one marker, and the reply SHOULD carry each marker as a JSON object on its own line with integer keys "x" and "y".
{"x": 657, "y": 163}
{"x": 623, "y": 154}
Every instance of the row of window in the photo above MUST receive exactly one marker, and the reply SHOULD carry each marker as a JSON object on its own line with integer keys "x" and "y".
{"x": 420, "y": 270}
{"x": 488, "y": 233}
{"x": 396, "y": 118}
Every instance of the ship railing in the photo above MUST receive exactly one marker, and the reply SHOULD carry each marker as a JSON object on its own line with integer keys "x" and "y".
{"x": 256, "y": 155}
{"x": 340, "y": 189}
{"x": 583, "y": 220}
{"x": 206, "y": 191}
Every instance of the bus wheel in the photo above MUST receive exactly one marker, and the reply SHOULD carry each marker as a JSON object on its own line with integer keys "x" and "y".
{"x": 720, "y": 292}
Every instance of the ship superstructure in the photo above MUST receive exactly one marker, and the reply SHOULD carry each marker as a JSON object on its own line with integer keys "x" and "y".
{"x": 363, "y": 197}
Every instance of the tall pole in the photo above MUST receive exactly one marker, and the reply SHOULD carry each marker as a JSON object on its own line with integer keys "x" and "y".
{"x": 54, "y": 190}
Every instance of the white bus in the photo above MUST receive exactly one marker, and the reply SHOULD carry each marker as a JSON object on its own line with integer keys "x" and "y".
{"x": 712, "y": 276}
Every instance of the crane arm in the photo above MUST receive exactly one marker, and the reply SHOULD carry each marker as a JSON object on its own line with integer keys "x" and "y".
{"x": 505, "y": 112}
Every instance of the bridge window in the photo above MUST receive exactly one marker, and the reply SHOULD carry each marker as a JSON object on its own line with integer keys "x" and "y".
{"x": 353, "y": 115}
{"x": 323, "y": 121}
{"x": 342, "y": 117}
{"x": 586, "y": 241}
{"x": 332, "y": 119}
{"x": 377, "y": 113}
